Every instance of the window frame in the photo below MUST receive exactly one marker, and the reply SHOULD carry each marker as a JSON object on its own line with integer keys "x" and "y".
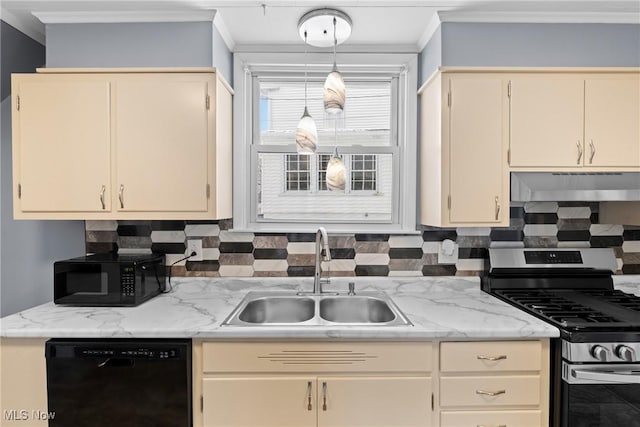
{"x": 248, "y": 65}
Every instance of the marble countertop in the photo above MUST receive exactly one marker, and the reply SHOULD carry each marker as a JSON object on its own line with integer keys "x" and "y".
{"x": 438, "y": 307}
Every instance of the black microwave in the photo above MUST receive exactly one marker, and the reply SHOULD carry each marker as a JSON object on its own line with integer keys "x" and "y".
{"x": 108, "y": 279}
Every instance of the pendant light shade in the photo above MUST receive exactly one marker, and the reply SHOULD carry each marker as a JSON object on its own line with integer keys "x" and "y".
{"x": 306, "y": 134}
{"x": 334, "y": 88}
{"x": 336, "y": 172}
{"x": 334, "y": 92}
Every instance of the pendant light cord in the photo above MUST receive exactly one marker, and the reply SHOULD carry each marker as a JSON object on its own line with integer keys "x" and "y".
{"x": 335, "y": 41}
{"x": 305, "y": 70}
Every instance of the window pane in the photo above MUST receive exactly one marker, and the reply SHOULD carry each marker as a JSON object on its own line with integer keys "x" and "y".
{"x": 286, "y": 193}
{"x": 364, "y": 172}
{"x": 296, "y": 175}
{"x": 366, "y": 119}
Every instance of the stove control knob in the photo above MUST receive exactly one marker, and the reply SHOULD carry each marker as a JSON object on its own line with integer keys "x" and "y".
{"x": 625, "y": 353}
{"x": 599, "y": 352}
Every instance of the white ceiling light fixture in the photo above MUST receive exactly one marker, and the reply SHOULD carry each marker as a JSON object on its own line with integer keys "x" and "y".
{"x": 306, "y": 132}
{"x": 328, "y": 27}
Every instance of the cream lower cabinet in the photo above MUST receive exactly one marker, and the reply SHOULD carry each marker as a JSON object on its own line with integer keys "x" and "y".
{"x": 313, "y": 384}
{"x": 575, "y": 120}
{"x": 463, "y": 144}
{"x": 23, "y": 382}
{"x": 502, "y": 383}
{"x": 131, "y": 144}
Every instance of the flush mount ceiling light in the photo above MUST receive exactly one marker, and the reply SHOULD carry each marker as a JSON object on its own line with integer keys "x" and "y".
{"x": 318, "y": 25}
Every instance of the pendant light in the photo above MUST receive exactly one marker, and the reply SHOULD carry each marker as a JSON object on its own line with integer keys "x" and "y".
{"x": 306, "y": 132}
{"x": 320, "y": 24}
{"x": 334, "y": 87}
{"x": 336, "y": 173}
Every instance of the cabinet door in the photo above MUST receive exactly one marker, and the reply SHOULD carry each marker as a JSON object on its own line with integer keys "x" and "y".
{"x": 259, "y": 402}
{"x": 374, "y": 401}
{"x": 478, "y": 128}
{"x": 612, "y": 121}
{"x": 23, "y": 382}
{"x": 547, "y": 121}
{"x": 162, "y": 135}
{"x": 61, "y": 144}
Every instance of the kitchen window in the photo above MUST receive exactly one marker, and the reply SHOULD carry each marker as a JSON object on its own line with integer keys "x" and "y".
{"x": 375, "y": 135}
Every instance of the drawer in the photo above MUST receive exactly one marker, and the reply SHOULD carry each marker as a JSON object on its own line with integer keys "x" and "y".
{"x": 493, "y": 356}
{"x": 317, "y": 357}
{"x": 491, "y": 419}
{"x": 476, "y": 391}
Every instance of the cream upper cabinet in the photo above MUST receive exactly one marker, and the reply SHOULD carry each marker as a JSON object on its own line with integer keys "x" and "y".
{"x": 132, "y": 144}
{"x": 564, "y": 121}
{"x": 612, "y": 121}
{"x": 61, "y": 144}
{"x": 547, "y": 121}
{"x": 464, "y": 134}
{"x": 161, "y": 132}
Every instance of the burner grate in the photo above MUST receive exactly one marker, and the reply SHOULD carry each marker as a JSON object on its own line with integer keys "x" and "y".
{"x": 619, "y": 298}
{"x": 557, "y": 308}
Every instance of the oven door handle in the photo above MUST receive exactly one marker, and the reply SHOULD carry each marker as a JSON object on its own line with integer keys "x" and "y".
{"x": 626, "y": 376}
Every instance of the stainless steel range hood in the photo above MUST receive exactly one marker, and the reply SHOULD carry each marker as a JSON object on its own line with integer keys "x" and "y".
{"x": 570, "y": 186}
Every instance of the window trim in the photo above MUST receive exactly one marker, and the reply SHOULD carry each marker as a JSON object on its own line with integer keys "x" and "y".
{"x": 404, "y": 118}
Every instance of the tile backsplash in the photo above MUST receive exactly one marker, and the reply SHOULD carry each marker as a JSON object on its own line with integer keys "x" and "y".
{"x": 228, "y": 254}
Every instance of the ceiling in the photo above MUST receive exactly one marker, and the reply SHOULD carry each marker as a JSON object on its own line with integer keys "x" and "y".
{"x": 375, "y": 22}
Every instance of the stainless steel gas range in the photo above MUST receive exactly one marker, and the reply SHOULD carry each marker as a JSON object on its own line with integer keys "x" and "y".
{"x": 596, "y": 362}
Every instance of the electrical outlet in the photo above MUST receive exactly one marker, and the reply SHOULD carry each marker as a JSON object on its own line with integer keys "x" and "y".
{"x": 194, "y": 245}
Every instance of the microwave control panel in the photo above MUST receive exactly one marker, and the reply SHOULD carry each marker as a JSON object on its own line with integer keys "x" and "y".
{"x": 127, "y": 280}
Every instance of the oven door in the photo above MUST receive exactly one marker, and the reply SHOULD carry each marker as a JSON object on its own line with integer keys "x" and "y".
{"x": 600, "y": 395}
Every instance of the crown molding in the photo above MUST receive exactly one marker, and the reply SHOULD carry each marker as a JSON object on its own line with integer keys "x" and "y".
{"x": 432, "y": 27}
{"x": 34, "y": 29}
{"x": 222, "y": 28}
{"x": 541, "y": 17}
{"x": 95, "y": 17}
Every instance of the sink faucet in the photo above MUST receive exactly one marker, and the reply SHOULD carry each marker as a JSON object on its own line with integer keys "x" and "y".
{"x": 322, "y": 254}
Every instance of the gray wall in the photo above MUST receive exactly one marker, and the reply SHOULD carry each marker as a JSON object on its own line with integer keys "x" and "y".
{"x": 20, "y": 54}
{"x": 534, "y": 45}
{"x": 222, "y": 56}
{"x": 431, "y": 57}
{"x": 161, "y": 44}
{"x": 27, "y": 248}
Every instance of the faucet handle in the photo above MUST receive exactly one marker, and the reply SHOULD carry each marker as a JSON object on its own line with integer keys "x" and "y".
{"x": 352, "y": 288}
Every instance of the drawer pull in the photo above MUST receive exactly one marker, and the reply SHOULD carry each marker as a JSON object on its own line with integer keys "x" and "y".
{"x": 492, "y": 358}
{"x": 309, "y": 407}
{"x": 491, "y": 393}
{"x": 484, "y": 425}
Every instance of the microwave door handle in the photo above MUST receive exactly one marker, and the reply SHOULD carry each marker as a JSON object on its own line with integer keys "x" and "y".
{"x": 626, "y": 377}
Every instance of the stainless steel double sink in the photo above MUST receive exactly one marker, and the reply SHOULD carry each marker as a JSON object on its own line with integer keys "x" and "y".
{"x": 301, "y": 309}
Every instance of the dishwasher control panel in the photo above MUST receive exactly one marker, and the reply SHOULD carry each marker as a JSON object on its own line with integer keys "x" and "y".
{"x": 129, "y": 353}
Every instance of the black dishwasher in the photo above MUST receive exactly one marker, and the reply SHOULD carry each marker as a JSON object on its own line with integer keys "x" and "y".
{"x": 119, "y": 382}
